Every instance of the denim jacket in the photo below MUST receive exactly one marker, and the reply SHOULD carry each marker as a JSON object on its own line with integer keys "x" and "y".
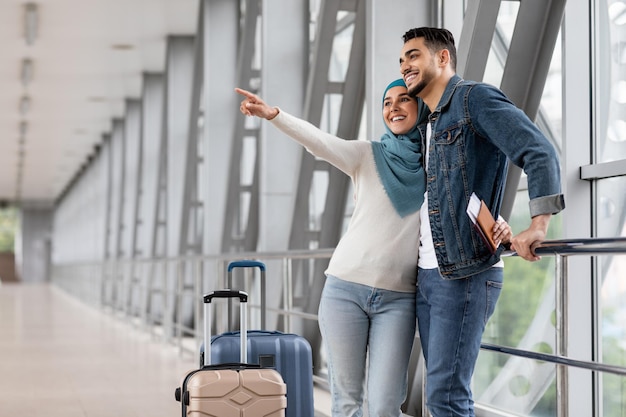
{"x": 475, "y": 128}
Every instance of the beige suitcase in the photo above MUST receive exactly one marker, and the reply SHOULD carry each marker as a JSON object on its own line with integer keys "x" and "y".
{"x": 231, "y": 389}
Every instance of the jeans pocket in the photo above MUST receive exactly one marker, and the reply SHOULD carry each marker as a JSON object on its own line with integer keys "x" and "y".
{"x": 494, "y": 288}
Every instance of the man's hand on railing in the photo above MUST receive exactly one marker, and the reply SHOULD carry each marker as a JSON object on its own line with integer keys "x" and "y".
{"x": 524, "y": 242}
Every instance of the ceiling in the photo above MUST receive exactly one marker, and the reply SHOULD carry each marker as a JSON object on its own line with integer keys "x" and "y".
{"x": 87, "y": 57}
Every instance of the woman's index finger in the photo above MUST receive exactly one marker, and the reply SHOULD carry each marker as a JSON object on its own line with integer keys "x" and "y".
{"x": 244, "y": 92}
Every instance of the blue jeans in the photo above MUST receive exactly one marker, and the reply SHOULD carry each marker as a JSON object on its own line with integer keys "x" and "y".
{"x": 451, "y": 317}
{"x": 353, "y": 319}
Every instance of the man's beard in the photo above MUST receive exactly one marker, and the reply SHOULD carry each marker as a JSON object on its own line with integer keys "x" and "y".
{"x": 415, "y": 90}
{"x": 427, "y": 77}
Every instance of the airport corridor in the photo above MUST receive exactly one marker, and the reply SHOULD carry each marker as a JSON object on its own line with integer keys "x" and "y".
{"x": 62, "y": 358}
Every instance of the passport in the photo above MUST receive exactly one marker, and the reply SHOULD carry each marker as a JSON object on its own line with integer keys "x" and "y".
{"x": 482, "y": 220}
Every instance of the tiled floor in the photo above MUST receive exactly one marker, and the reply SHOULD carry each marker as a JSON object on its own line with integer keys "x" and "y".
{"x": 62, "y": 358}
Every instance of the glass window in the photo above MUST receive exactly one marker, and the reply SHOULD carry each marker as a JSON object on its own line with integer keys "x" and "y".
{"x": 611, "y": 81}
{"x": 524, "y": 319}
{"x": 8, "y": 226}
{"x": 611, "y": 270}
{"x": 610, "y": 213}
{"x": 525, "y": 313}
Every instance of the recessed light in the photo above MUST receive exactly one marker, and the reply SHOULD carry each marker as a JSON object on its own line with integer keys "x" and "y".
{"x": 24, "y": 105}
{"x": 31, "y": 23}
{"x": 23, "y": 128}
{"x": 122, "y": 46}
{"x": 27, "y": 71}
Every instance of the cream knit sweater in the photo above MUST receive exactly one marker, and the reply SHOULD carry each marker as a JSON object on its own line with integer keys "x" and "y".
{"x": 379, "y": 248}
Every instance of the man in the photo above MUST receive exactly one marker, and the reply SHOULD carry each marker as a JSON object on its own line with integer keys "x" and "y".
{"x": 472, "y": 129}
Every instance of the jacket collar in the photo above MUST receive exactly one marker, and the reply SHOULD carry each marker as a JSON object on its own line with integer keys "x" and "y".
{"x": 447, "y": 94}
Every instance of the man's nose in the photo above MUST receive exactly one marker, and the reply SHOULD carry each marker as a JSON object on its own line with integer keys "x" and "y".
{"x": 403, "y": 68}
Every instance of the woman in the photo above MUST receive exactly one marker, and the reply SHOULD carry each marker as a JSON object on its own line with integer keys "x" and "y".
{"x": 367, "y": 309}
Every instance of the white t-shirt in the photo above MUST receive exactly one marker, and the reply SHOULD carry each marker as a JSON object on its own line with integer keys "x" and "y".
{"x": 427, "y": 258}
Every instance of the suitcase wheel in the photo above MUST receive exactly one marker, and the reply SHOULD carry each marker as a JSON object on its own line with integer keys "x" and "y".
{"x": 177, "y": 394}
{"x": 186, "y": 397}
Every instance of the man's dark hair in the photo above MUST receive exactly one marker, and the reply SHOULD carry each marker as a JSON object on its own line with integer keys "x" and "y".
{"x": 435, "y": 40}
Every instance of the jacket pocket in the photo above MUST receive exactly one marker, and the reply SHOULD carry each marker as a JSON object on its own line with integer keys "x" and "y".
{"x": 450, "y": 148}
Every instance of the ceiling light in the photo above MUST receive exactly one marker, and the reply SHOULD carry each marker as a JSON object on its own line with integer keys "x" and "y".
{"x": 31, "y": 22}
{"x": 619, "y": 93}
{"x": 27, "y": 71}
{"x": 616, "y": 131}
{"x": 616, "y": 12}
{"x": 24, "y": 105}
{"x": 23, "y": 128}
{"x": 122, "y": 46}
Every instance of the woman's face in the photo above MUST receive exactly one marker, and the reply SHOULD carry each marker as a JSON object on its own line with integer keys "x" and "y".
{"x": 399, "y": 110}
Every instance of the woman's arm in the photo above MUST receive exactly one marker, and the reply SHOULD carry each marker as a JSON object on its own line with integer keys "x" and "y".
{"x": 343, "y": 154}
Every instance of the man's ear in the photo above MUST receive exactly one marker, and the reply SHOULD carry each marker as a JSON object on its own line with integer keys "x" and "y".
{"x": 444, "y": 57}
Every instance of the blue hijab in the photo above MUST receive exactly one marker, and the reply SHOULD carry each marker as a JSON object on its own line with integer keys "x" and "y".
{"x": 398, "y": 161}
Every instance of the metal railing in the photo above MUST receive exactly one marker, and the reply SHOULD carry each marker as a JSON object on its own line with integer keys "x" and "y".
{"x": 163, "y": 296}
{"x": 562, "y": 249}
{"x": 156, "y": 295}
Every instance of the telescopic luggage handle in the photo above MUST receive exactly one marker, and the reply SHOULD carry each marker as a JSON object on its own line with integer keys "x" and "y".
{"x": 250, "y": 264}
{"x": 243, "y": 315}
{"x": 243, "y": 297}
{"x": 246, "y": 264}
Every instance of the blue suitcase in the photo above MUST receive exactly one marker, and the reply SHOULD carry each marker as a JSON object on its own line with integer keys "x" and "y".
{"x": 289, "y": 354}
